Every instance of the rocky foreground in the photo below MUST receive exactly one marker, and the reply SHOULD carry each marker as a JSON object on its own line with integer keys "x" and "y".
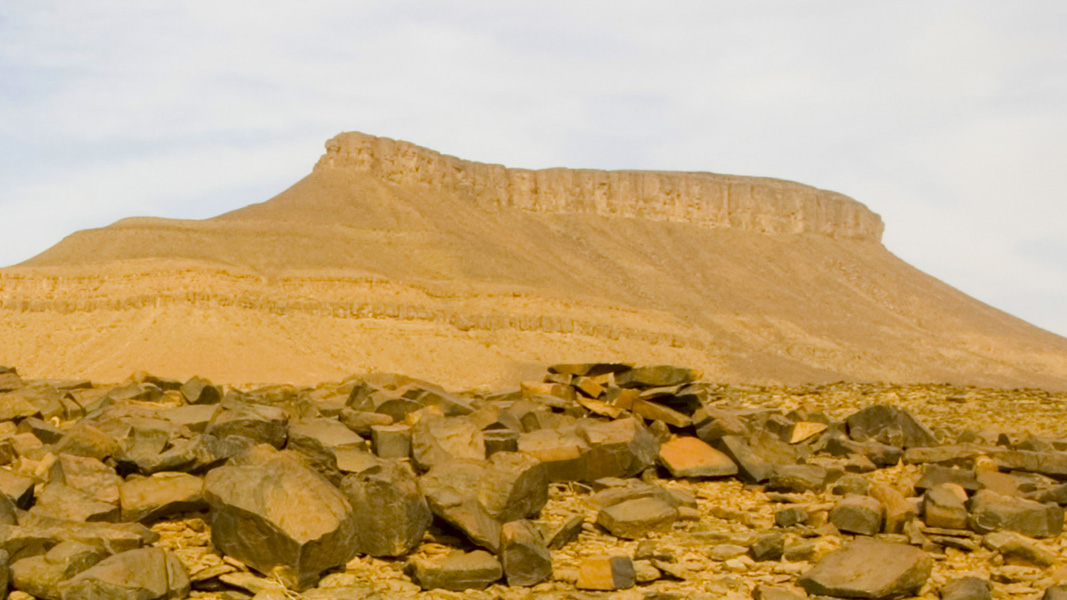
{"x": 601, "y": 480}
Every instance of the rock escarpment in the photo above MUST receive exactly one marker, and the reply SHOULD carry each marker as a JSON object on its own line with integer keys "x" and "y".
{"x": 708, "y": 200}
{"x": 393, "y": 257}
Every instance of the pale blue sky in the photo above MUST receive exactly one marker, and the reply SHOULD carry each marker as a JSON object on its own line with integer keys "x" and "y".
{"x": 947, "y": 118}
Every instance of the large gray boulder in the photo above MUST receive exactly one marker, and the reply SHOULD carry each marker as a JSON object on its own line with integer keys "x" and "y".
{"x": 866, "y": 568}
{"x": 991, "y": 511}
{"x": 391, "y": 513}
{"x": 281, "y": 518}
{"x": 145, "y": 574}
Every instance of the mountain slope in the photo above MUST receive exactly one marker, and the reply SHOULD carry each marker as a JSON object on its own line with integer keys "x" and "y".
{"x": 393, "y": 257}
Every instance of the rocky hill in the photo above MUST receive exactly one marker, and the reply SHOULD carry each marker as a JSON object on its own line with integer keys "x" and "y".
{"x": 392, "y": 257}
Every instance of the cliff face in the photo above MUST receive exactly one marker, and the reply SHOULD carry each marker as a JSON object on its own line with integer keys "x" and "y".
{"x": 392, "y": 257}
{"x": 708, "y": 200}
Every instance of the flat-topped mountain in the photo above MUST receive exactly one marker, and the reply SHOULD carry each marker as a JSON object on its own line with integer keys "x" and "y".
{"x": 389, "y": 256}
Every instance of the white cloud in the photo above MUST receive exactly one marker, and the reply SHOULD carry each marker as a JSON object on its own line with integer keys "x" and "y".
{"x": 945, "y": 116}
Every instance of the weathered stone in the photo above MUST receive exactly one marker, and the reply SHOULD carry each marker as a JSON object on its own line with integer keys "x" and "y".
{"x": 725, "y": 552}
{"x": 161, "y": 495}
{"x": 565, "y": 533}
{"x": 438, "y": 440}
{"x": 866, "y": 568}
{"x": 621, "y": 448}
{"x": 457, "y": 571}
{"x": 945, "y": 505}
{"x": 766, "y": 592}
{"x": 1050, "y": 464}
{"x": 452, "y": 492}
{"x": 515, "y": 486}
{"x": 692, "y": 457}
{"x": 861, "y": 515}
{"x": 790, "y": 516}
{"x": 17, "y": 488}
{"x": 523, "y": 554}
{"x": 391, "y": 513}
{"x": 60, "y": 501}
{"x": 200, "y": 391}
{"x": 391, "y": 441}
{"x": 36, "y": 534}
{"x": 606, "y": 573}
{"x": 756, "y": 458}
{"x": 967, "y": 588}
{"x": 653, "y": 411}
{"x": 636, "y": 518}
{"x": 797, "y": 478}
{"x": 563, "y": 455}
{"x": 898, "y": 509}
{"x": 935, "y": 474}
{"x": 851, "y": 483}
{"x": 257, "y": 422}
{"x": 88, "y": 475}
{"x": 889, "y": 425}
{"x": 83, "y": 439}
{"x": 768, "y": 545}
{"x": 145, "y": 574}
{"x": 42, "y": 430}
{"x": 654, "y": 376}
{"x": 1055, "y": 592}
{"x": 279, "y": 517}
{"x": 41, "y": 575}
{"x": 991, "y": 511}
{"x": 1018, "y": 548}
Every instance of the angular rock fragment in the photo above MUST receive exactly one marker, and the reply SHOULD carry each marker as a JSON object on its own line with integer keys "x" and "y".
{"x": 523, "y": 554}
{"x": 17, "y": 488}
{"x": 391, "y": 514}
{"x": 59, "y": 501}
{"x": 898, "y": 509}
{"x": 797, "y": 478}
{"x": 991, "y": 511}
{"x": 757, "y": 458}
{"x": 258, "y": 423}
{"x": 88, "y": 475}
{"x": 161, "y": 495}
{"x": 634, "y": 519}
{"x": 200, "y": 391}
{"x": 967, "y": 588}
{"x": 691, "y": 457}
{"x": 391, "y": 441}
{"x": 945, "y": 505}
{"x": 436, "y": 440}
{"x": 41, "y": 575}
{"x": 457, "y": 571}
{"x": 654, "y": 376}
{"x": 768, "y": 545}
{"x": 35, "y": 534}
{"x": 145, "y": 574}
{"x": 866, "y": 568}
{"x": 606, "y": 573}
{"x": 889, "y": 425}
{"x": 274, "y": 514}
{"x": 621, "y": 448}
{"x": 566, "y": 533}
{"x": 563, "y": 455}
{"x": 1017, "y": 548}
{"x": 862, "y": 515}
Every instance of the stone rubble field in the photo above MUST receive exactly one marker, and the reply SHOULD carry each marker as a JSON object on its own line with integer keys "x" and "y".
{"x": 602, "y": 480}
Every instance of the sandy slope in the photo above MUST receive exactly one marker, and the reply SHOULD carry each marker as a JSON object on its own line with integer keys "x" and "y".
{"x": 392, "y": 257}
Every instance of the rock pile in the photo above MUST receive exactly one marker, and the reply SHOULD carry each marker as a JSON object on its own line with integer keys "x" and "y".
{"x": 602, "y": 477}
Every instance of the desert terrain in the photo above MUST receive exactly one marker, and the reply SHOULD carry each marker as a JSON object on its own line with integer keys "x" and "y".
{"x": 415, "y": 376}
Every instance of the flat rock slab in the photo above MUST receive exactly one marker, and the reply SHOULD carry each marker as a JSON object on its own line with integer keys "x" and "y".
{"x": 145, "y": 574}
{"x": 636, "y": 518}
{"x": 280, "y": 517}
{"x": 692, "y": 457}
{"x": 161, "y": 495}
{"x": 606, "y": 573}
{"x": 457, "y": 571}
{"x": 867, "y": 568}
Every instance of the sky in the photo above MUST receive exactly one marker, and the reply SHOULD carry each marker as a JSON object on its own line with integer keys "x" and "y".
{"x": 948, "y": 118}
